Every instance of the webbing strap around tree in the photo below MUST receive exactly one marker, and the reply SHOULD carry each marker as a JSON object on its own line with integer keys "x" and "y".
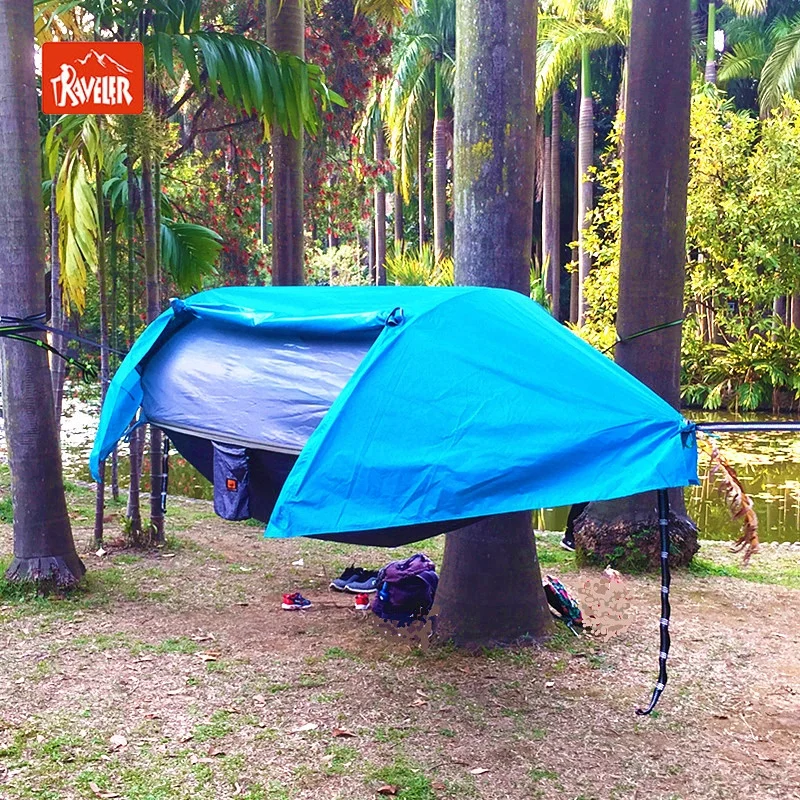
{"x": 621, "y": 339}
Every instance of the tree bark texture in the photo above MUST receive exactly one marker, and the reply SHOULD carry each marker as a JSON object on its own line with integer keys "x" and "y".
{"x": 286, "y": 34}
{"x": 585, "y": 159}
{"x": 490, "y": 589}
{"x": 651, "y": 264}
{"x": 44, "y": 550}
{"x": 794, "y": 316}
{"x": 711, "y": 54}
{"x": 439, "y": 186}
{"x": 102, "y": 285}
{"x": 58, "y": 367}
{"x": 422, "y": 158}
{"x": 380, "y": 213}
{"x": 555, "y": 202}
{"x": 547, "y": 209}
{"x": 398, "y": 219}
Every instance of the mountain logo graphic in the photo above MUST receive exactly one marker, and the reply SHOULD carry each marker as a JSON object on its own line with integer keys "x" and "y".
{"x": 92, "y": 78}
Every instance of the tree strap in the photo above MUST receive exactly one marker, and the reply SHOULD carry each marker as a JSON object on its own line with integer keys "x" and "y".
{"x": 664, "y": 325}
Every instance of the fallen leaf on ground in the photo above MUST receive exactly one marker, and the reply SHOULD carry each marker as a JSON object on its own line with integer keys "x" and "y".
{"x": 420, "y": 702}
{"x": 438, "y": 785}
{"x": 237, "y": 789}
{"x": 343, "y": 732}
{"x": 195, "y": 760}
{"x": 118, "y": 741}
{"x": 309, "y": 726}
{"x": 298, "y": 563}
{"x": 176, "y": 691}
{"x": 478, "y": 771}
{"x": 186, "y": 737}
{"x": 142, "y": 658}
{"x": 549, "y": 684}
{"x": 387, "y": 789}
{"x": 204, "y": 637}
{"x": 98, "y": 792}
{"x": 259, "y": 698}
{"x": 215, "y": 751}
{"x": 168, "y": 555}
{"x": 101, "y": 552}
{"x": 208, "y": 655}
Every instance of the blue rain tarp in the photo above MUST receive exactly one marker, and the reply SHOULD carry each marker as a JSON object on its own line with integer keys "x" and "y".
{"x": 382, "y": 415}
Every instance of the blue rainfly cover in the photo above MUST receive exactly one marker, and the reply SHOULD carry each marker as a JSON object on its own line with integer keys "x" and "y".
{"x": 470, "y": 402}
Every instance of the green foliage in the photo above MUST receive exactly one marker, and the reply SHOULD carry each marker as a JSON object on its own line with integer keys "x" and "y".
{"x": 742, "y": 225}
{"x": 189, "y": 252}
{"x": 336, "y": 266}
{"x": 417, "y": 266}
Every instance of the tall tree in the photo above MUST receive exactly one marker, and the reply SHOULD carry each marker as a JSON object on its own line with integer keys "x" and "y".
{"x": 492, "y": 565}
{"x": 743, "y": 8}
{"x": 423, "y": 82}
{"x": 286, "y": 34}
{"x": 652, "y": 262}
{"x": 44, "y": 550}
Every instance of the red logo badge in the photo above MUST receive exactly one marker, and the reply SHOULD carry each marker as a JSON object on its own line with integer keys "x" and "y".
{"x": 92, "y": 78}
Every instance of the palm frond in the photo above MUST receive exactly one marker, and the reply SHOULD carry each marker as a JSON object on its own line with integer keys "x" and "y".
{"x": 745, "y": 59}
{"x": 189, "y": 253}
{"x": 781, "y": 71}
{"x": 386, "y": 10}
{"x": 560, "y": 50}
{"x": 748, "y": 8}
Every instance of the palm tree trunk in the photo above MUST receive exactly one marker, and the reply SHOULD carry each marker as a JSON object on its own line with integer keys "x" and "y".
{"x": 264, "y": 209}
{"x": 555, "y": 201}
{"x": 652, "y": 268}
{"x": 492, "y": 564}
{"x": 711, "y": 54}
{"x": 585, "y": 159}
{"x": 136, "y": 444}
{"x": 439, "y": 168}
{"x": 114, "y": 342}
{"x": 547, "y": 204}
{"x": 779, "y": 308}
{"x": 398, "y": 217}
{"x": 794, "y": 316}
{"x": 44, "y": 550}
{"x": 100, "y": 487}
{"x": 286, "y": 34}
{"x": 153, "y": 288}
{"x": 422, "y": 158}
{"x": 58, "y": 367}
{"x": 380, "y": 212}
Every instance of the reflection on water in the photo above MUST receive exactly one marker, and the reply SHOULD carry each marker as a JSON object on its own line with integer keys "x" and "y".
{"x": 768, "y": 465}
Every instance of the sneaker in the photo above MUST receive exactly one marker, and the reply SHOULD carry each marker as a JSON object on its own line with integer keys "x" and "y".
{"x": 295, "y": 602}
{"x": 362, "y": 602}
{"x": 366, "y": 584}
{"x": 568, "y": 544}
{"x": 349, "y": 574}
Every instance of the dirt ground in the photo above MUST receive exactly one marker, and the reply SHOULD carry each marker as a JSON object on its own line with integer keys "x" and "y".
{"x": 175, "y": 674}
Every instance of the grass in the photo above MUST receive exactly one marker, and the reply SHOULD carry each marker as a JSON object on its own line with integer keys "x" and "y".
{"x": 767, "y": 567}
{"x": 410, "y": 779}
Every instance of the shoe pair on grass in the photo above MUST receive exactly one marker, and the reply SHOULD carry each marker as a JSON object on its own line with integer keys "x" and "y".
{"x": 356, "y": 580}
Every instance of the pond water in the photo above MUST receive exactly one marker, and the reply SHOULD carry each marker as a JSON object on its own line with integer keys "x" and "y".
{"x": 768, "y": 465}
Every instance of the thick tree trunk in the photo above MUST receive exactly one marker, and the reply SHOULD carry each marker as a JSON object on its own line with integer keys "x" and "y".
{"x": 490, "y": 589}
{"x": 555, "y": 201}
{"x": 380, "y": 213}
{"x": 585, "y": 159}
{"x": 153, "y": 286}
{"x": 44, "y": 550}
{"x": 652, "y": 265}
{"x": 779, "y": 308}
{"x": 58, "y": 367}
{"x": 439, "y": 172}
{"x": 286, "y": 34}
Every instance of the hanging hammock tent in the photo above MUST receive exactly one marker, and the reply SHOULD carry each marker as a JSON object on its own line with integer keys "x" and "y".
{"x": 385, "y": 415}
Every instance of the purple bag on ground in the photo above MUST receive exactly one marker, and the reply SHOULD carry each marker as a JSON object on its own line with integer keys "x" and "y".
{"x": 406, "y": 590}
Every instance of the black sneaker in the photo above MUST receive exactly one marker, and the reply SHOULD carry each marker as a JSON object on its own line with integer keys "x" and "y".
{"x": 568, "y": 544}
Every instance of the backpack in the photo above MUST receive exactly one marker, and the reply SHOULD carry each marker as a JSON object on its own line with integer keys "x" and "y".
{"x": 406, "y": 590}
{"x": 562, "y": 603}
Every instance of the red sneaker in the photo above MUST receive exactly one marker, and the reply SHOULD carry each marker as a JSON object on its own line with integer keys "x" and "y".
{"x": 294, "y": 602}
{"x": 362, "y": 602}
